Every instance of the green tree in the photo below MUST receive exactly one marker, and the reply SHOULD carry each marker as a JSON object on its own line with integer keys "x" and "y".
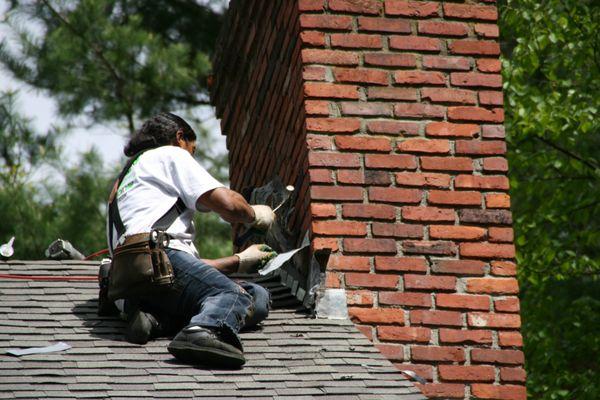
{"x": 552, "y": 84}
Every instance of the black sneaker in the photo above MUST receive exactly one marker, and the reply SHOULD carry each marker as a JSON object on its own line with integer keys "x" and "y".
{"x": 199, "y": 345}
{"x": 140, "y": 327}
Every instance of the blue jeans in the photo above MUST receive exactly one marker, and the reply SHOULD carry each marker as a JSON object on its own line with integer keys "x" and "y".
{"x": 204, "y": 296}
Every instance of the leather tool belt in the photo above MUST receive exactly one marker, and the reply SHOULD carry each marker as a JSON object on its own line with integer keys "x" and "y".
{"x": 140, "y": 267}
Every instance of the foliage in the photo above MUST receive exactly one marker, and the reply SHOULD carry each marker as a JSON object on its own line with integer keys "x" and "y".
{"x": 552, "y": 84}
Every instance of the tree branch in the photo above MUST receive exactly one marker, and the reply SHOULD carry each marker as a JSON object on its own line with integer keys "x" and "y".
{"x": 587, "y": 163}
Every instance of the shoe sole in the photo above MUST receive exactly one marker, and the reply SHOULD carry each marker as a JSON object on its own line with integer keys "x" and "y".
{"x": 139, "y": 329}
{"x": 210, "y": 356}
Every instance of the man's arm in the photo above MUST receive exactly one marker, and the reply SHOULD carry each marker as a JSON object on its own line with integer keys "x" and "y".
{"x": 227, "y": 265}
{"x": 230, "y": 205}
{"x": 246, "y": 261}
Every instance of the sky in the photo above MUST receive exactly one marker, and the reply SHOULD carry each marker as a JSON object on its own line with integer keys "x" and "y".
{"x": 107, "y": 139}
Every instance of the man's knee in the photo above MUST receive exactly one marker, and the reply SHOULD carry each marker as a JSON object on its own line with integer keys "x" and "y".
{"x": 261, "y": 300}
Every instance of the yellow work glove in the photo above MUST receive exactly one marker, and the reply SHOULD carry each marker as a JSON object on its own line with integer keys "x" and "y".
{"x": 254, "y": 257}
{"x": 263, "y": 217}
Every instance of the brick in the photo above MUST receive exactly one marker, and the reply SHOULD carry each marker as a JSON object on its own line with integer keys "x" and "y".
{"x": 403, "y": 264}
{"x": 482, "y": 182}
{"x": 386, "y": 25}
{"x": 475, "y": 79}
{"x": 404, "y": 334}
{"x": 393, "y": 127}
{"x": 397, "y": 230}
{"x": 447, "y": 63}
{"x": 429, "y": 247}
{"x": 320, "y": 175}
{"x": 313, "y": 38}
{"x": 376, "y": 77}
{"x": 319, "y": 142}
{"x": 330, "y": 90}
{"x": 370, "y": 246}
{"x": 331, "y": 159}
{"x": 359, "y": 298}
{"x": 339, "y": 228}
{"x": 447, "y": 129}
{"x": 495, "y": 164}
{"x": 376, "y": 315}
{"x": 489, "y": 65}
{"x": 392, "y": 352}
{"x": 392, "y": 93}
{"x": 356, "y": 6}
{"x": 356, "y": 41}
{"x": 373, "y": 281}
{"x": 334, "y": 57}
{"x": 491, "y": 98}
{"x": 505, "y": 235}
{"x": 446, "y": 164}
{"x": 423, "y": 370}
{"x": 498, "y": 321}
{"x": 332, "y": 280}
{"x": 363, "y": 143}
{"x": 467, "y": 373}
{"x": 419, "y": 110}
{"x": 504, "y": 268}
{"x": 470, "y": 11}
{"x": 419, "y": 78}
{"x": 512, "y": 374}
{"x": 375, "y": 178}
{"x": 437, "y": 353}
{"x": 508, "y": 304}
{"x": 316, "y": 107}
{"x": 318, "y": 21}
{"x": 318, "y": 210}
{"x": 420, "y": 9}
{"x": 497, "y": 200}
{"x": 452, "y": 198}
{"x": 333, "y": 125}
{"x": 336, "y": 193}
{"x": 496, "y": 392}
{"x": 455, "y": 336}
{"x": 435, "y": 318}
{"x": 350, "y": 176}
{"x": 395, "y": 195}
{"x": 459, "y": 267}
{"x": 493, "y": 131}
{"x": 497, "y": 356}
{"x": 390, "y": 161}
{"x": 419, "y": 145}
{"x": 441, "y": 95}
{"x": 481, "y": 147}
{"x": 456, "y": 232}
{"x": 443, "y": 390}
{"x": 440, "y": 28}
{"x": 422, "y": 179}
{"x": 510, "y": 339}
{"x": 487, "y": 250}
{"x": 311, "y": 5}
{"x": 390, "y": 60}
{"x": 415, "y": 43}
{"x": 366, "y": 330}
{"x": 347, "y": 263}
{"x": 475, "y": 47}
{"x": 428, "y": 214}
{"x": 492, "y": 285}
{"x": 406, "y": 299}
{"x": 489, "y": 31}
{"x": 366, "y": 109}
{"x": 314, "y": 73}
{"x": 429, "y": 282}
{"x": 369, "y": 211}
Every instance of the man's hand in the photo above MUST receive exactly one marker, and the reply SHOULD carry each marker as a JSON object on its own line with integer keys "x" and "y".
{"x": 254, "y": 257}
{"x": 264, "y": 217}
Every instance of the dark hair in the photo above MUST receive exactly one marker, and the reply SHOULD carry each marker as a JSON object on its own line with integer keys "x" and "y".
{"x": 159, "y": 130}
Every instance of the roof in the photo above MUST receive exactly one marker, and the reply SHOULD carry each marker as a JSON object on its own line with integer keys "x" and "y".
{"x": 293, "y": 355}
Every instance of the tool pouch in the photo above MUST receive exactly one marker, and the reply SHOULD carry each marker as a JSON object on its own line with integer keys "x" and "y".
{"x": 140, "y": 267}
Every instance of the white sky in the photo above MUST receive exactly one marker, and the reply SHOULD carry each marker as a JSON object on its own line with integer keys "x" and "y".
{"x": 107, "y": 139}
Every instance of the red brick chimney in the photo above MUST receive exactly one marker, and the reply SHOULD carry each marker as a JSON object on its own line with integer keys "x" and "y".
{"x": 389, "y": 114}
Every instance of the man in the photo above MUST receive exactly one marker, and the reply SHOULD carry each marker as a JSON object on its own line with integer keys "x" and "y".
{"x": 211, "y": 307}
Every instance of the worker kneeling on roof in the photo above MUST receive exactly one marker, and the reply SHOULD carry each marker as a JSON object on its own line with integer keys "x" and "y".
{"x": 156, "y": 267}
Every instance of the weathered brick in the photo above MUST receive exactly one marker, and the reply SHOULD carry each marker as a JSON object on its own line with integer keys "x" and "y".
{"x": 435, "y": 318}
{"x": 443, "y": 390}
{"x": 508, "y": 304}
{"x": 407, "y": 299}
{"x": 355, "y": 41}
{"x": 443, "y": 95}
{"x": 395, "y": 195}
{"x": 419, "y": 110}
{"x": 404, "y": 334}
{"x": 316, "y": 107}
{"x": 456, "y": 232}
{"x": 320, "y": 175}
{"x": 510, "y": 339}
{"x": 489, "y": 31}
{"x": 377, "y": 178}
{"x": 331, "y": 159}
{"x": 459, "y": 267}
{"x": 447, "y": 63}
{"x": 393, "y": 127}
{"x": 475, "y": 79}
{"x": 415, "y": 43}
{"x": 376, "y": 315}
{"x": 467, "y": 373}
{"x": 495, "y": 320}
{"x": 319, "y": 21}
{"x": 470, "y": 11}
{"x": 348, "y": 263}
{"x": 487, "y": 250}
{"x": 497, "y": 356}
{"x": 482, "y": 182}
{"x": 332, "y": 279}
{"x": 505, "y": 235}
{"x": 319, "y": 142}
{"x": 429, "y": 282}
{"x": 319, "y": 210}
{"x": 390, "y": 161}
{"x": 403, "y": 264}
{"x": 313, "y": 38}
{"x": 374, "y": 281}
{"x": 439, "y": 247}
{"x": 481, "y": 147}
{"x": 387, "y": 25}
{"x": 446, "y": 164}
{"x": 493, "y": 132}
{"x": 428, "y": 214}
{"x": 465, "y": 336}
{"x": 356, "y": 6}
{"x": 441, "y": 28}
{"x": 497, "y": 200}
{"x": 320, "y": 90}
{"x": 492, "y": 285}
{"x": 419, "y": 9}
{"x": 491, "y": 98}
{"x": 489, "y": 65}
{"x": 350, "y": 176}
{"x": 475, "y": 47}
{"x": 393, "y": 352}
{"x": 512, "y": 374}
{"x": 452, "y": 198}
{"x": 504, "y": 268}
{"x": 336, "y": 193}
{"x": 437, "y": 353}
{"x": 495, "y": 164}
{"x": 360, "y": 297}
{"x": 366, "y": 109}
{"x": 419, "y": 77}
{"x": 390, "y": 60}
{"x": 334, "y": 57}
{"x": 439, "y": 146}
{"x": 373, "y": 76}
{"x": 311, "y": 5}
{"x": 363, "y": 143}
{"x": 447, "y": 129}
{"x": 369, "y": 211}
{"x": 423, "y": 179}
{"x": 370, "y": 246}
{"x": 392, "y": 93}
{"x": 339, "y": 228}
{"x": 494, "y": 217}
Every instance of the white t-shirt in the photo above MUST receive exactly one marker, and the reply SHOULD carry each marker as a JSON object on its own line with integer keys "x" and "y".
{"x": 152, "y": 186}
